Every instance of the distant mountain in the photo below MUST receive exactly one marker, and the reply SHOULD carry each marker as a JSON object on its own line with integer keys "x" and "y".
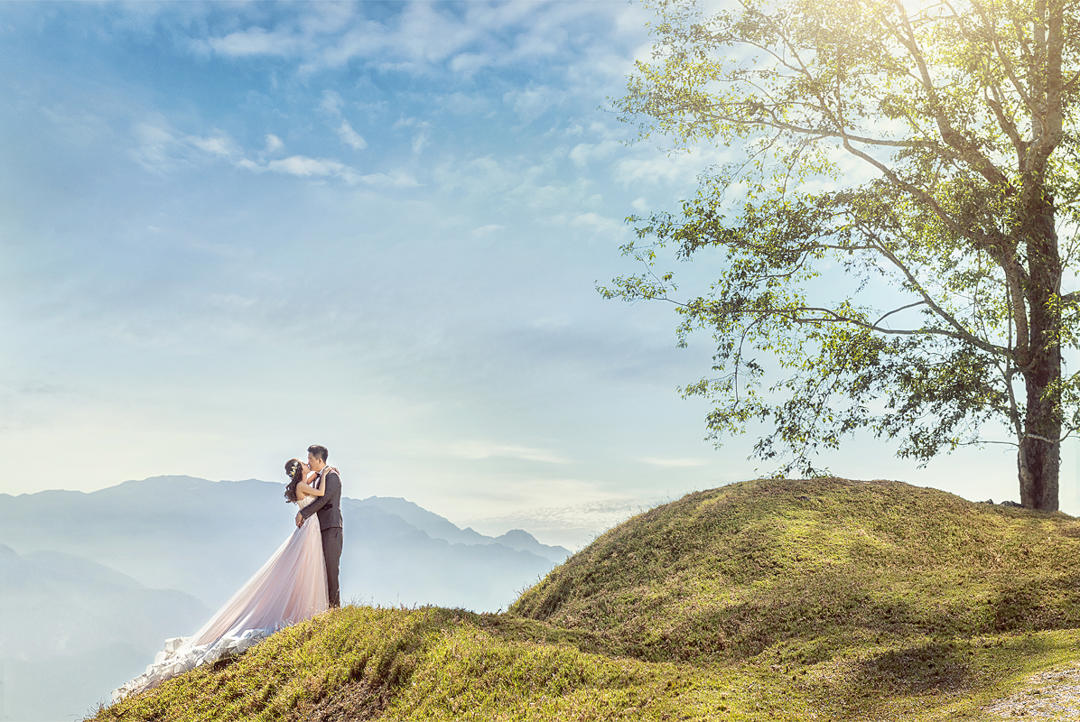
{"x": 206, "y": 538}
{"x": 437, "y": 527}
{"x": 71, "y": 619}
{"x": 179, "y": 532}
{"x": 103, "y": 578}
{"x": 524, "y": 541}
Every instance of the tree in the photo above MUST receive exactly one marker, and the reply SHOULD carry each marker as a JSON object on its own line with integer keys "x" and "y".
{"x": 963, "y": 114}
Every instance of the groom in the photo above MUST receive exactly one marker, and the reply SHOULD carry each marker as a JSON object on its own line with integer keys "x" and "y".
{"x": 329, "y": 507}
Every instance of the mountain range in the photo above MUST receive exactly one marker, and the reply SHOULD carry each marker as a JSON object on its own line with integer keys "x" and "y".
{"x": 98, "y": 581}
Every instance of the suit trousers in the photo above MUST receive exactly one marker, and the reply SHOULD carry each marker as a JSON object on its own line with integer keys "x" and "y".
{"x": 331, "y": 547}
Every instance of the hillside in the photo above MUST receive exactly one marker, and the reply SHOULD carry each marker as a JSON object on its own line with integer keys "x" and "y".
{"x": 764, "y": 599}
{"x": 817, "y": 565}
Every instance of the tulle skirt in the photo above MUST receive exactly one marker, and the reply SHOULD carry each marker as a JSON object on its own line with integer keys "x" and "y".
{"x": 289, "y": 588}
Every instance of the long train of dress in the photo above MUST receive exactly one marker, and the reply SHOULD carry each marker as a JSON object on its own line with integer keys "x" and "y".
{"x": 289, "y": 588}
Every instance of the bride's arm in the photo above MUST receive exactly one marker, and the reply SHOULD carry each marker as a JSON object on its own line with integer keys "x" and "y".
{"x": 309, "y": 491}
{"x": 305, "y": 488}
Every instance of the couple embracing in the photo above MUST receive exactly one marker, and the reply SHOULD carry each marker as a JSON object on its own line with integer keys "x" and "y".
{"x": 298, "y": 581}
{"x": 316, "y": 489}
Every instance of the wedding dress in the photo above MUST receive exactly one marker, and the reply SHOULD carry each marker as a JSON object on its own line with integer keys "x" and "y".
{"x": 289, "y": 588}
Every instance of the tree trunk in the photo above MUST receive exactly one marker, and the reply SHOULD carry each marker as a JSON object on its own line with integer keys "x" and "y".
{"x": 1039, "y": 461}
{"x": 1039, "y": 457}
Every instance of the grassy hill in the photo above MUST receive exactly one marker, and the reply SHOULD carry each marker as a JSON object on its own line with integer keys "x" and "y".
{"x": 764, "y": 599}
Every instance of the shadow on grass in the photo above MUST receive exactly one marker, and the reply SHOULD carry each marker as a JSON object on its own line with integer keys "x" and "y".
{"x": 930, "y": 667}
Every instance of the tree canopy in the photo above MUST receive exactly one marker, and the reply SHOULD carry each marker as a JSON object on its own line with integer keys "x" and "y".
{"x": 962, "y": 120}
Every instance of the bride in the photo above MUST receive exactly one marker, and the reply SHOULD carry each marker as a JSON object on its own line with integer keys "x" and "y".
{"x": 289, "y": 588}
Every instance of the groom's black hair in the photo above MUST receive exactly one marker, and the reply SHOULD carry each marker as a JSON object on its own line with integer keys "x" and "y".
{"x": 319, "y": 451}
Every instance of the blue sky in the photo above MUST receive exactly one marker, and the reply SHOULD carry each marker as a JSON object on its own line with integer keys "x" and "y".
{"x": 232, "y": 230}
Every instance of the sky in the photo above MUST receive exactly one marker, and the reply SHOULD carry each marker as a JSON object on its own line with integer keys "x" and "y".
{"x": 229, "y": 231}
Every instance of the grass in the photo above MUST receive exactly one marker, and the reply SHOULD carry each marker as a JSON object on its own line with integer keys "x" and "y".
{"x": 765, "y": 599}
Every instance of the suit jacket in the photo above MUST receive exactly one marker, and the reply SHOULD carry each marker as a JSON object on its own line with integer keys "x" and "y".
{"x": 329, "y": 504}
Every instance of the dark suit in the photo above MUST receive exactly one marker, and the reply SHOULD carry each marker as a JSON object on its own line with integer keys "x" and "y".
{"x": 329, "y": 508}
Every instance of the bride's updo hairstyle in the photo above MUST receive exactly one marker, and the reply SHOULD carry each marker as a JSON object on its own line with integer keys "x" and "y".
{"x": 295, "y": 471}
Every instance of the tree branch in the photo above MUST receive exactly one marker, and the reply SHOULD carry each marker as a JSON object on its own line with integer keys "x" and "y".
{"x": 950, "y": 135}
{"x": 895, "y": 310}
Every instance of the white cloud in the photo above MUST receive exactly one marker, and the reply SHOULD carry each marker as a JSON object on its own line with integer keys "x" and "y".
{"x": 419, "y": 141}
{"x": 327, "y": 17}
{"x": 488, "y": 450}
{"x": 463, "y": 104}
{"x": 538, "y": 42}
{"x": 153, "y": 145}
{"x": 681, "y": 167}
{"x": 423, "y": 36}
{"x": 307, "y": 167}
{"x": 409, "y": 122}
{"x": 367, "y": 39}
{"x": 530, "y": 103}
{"x": 304, "y": 166}
{"x": 469, "y": 63}
{"x": 597, "y": 223}
{"x": 219, "y": 144}
{"x": 676, "y": 463}
{"x": 424, "y": 33}
{"x": 160, "y": 147}
{"x": 331, "y": 102}
{"x": 273, "y": 143}
{"x": 518, "y": 182}
{"x": 582, "y": 153}
{"x": 487, "y": 229}
{"x": 232, "y": 302}
{"x": 394, "y": 179}
{"x": 631, "y": 19}
{"x": 350, "y": 136}
{"x": 255, "y": 41}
